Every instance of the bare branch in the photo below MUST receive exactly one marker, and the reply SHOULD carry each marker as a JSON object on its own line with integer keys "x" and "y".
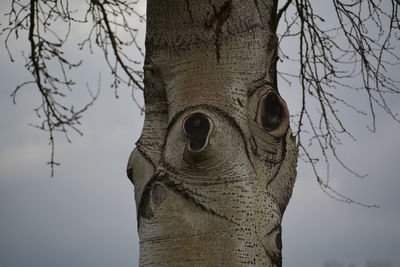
{"x": 38, "y": 19}
{"x": 282, "y": 10}
{"x": 361, "y": 47}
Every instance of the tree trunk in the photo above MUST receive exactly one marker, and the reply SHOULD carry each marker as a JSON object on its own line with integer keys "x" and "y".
{"x": 215, "y": 165}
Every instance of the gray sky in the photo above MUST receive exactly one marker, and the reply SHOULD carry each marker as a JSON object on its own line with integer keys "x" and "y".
{"x": 85, "y": 215}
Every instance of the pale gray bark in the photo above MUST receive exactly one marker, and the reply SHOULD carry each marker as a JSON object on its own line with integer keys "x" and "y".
{"x": 215, "y": 165}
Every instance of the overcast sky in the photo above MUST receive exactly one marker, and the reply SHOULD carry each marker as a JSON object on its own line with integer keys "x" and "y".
{"x": 85, "y": 215}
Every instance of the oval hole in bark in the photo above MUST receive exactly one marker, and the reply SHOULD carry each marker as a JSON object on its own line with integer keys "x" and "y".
{"x": 196, "y": 128}
{"x": 271, "y": 112}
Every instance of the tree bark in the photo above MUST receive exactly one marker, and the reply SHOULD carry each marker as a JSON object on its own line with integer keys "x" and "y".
{"x": 215, "y": 165}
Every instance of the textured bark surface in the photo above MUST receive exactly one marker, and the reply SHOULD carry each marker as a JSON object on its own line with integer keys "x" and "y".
{"x": 215, "y": 165}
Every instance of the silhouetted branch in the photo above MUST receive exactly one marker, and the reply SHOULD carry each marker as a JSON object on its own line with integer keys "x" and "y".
{"x": 37, "y": 19}
{"x": 283, "y": 9}
{"x": 361, "y": 47}
{"x": 106, "y": 36}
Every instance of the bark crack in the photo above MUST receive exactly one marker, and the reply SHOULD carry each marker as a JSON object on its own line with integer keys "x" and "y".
{"x": 189, "y": 10}
{"x": 258, "y": 10}
{"x": 216, "y": 22}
